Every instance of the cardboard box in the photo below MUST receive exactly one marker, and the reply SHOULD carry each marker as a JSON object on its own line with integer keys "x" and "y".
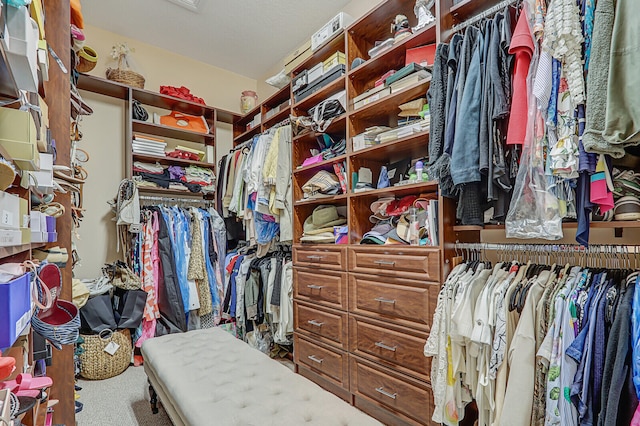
{"x": 22, "y": 52}
{"x": 39, "y": 237}
{"x": 334, "y": 60}
{"x": 297, "y": 57}
{"x": 10, "y": 237}
{"x": 315, "y": 73}
{"x": 422, "y": 55}
{"x": 9, "y": 211}
{"x": 18, "y": 138}
{"x": 44, "y": 177}
{"x": 15, "y": 309}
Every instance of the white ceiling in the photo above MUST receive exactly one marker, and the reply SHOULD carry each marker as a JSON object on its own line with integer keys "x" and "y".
{"x": 244, "y": 36}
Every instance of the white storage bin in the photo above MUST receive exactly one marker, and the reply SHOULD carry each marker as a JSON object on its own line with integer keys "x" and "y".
{"x": 22, "y": 47}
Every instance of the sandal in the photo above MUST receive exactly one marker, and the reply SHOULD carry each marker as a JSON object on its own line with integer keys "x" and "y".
{"x": 26, "y": 385}
{"x": 64, "y": 186}
{"x": 52, "y": 209}
{"x": 66, "y": 173}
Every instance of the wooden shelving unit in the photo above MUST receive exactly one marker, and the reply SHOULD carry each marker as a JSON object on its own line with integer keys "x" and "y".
{"x": 279, "y": 100}
{"x": 211, "y": 115}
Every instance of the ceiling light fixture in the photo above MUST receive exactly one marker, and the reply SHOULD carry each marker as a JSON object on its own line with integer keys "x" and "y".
{"x": 191, "y": 5}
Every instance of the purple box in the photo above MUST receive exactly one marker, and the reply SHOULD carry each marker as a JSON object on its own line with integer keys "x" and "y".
{"x": 51, "y": 224}
{"x": 52, "y": 237}
{"x": 15, "y": 309}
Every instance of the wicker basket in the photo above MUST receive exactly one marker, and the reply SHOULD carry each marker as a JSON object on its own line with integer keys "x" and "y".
{"x": 128, "y": 77}
{"x": 96, "y": 364}
{"x": 87, "y": 59}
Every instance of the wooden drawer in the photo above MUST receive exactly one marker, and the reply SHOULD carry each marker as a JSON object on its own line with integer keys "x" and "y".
{"x": 406, "y": 397}
{"x": 327, "y": 325}
{"x": 332, "y": 364}
{"x": 401, "y": 349}
{"x": 324, "y": 287}
{"x": 418, "y": 263}
{"x": 407, "y": 302}
{"x": 330, "y": 257}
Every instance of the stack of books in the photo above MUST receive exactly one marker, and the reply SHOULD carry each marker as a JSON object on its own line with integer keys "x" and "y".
{"x": 147, "y": 145}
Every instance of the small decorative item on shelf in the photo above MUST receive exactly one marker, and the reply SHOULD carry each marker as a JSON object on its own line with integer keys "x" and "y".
{"x": 248, "y": 101}
{"x": 123, "y": 73}
{"x": 400, "y": 28}
{"x": 422, "y": 10}
{"x": 87, "y": 59}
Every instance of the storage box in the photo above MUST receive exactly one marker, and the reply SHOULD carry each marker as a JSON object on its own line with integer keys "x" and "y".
{"x": 372, "y": 98}
{"x": 10, "y": 237}
{"x": 39, "y": 237}
{"x": 326, "y": 79}
{"x": 52, "y": 237}
{"x": 334, "y": 60}
{"x": 15, "y": 309}
{"x": 422, "y": 55}
{"x": 18, "y": 138}
{"x": 300, "y": 81}
{"x": 44, "y": 177}
{"x": 9, "y": 211}
{"x": 315, "y": 73}
{"x": 51, "y": 223}
{"x": 22, "y": 52}
{"x": 330, "y": 30}
{"x": 297, "y": 57}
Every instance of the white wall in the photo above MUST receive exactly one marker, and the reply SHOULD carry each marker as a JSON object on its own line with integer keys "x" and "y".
{"x": 103, "y": 133}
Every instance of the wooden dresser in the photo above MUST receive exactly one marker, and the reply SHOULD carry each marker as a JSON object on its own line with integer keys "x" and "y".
{"x": 362, "y": 316}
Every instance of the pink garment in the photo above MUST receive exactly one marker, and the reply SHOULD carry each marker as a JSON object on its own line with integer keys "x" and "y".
{"x": 522, "y": 47}
{"x": 150, "y": 273}
{"x": 636, "y": 417}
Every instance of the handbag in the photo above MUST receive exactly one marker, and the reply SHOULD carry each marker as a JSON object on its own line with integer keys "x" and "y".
{"x": 139, "y": 113}
{"x": 97, "y": 315}
{"x": 98, "y": 364}
{"x": 129, "y": 307}
{"x": 121, "y": 276}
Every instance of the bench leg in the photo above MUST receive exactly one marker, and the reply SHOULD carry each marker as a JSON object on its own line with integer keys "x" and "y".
{"x": 154, "y": 399}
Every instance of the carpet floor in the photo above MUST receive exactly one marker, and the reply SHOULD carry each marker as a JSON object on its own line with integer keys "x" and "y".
{"x": 122, "y": 400}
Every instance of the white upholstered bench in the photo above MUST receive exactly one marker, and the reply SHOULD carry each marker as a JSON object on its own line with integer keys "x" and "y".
{"x": 208, "y": 377}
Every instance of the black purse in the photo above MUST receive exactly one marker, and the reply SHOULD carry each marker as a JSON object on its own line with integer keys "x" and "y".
{"x": 128, "y": 306}
{"x": 139, "y": 113}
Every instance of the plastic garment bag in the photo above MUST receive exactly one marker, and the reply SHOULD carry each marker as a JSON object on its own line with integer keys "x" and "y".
{"x": 534, "y": 211}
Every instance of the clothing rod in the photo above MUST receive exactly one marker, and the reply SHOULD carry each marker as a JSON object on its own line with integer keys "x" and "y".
{"x": 181, "y": 200}
{"x": 491, "y": 11}
{"x": 573, "y": 248}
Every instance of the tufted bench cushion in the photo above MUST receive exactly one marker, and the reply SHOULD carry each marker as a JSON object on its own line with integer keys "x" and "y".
{"x": 208, "y": 377}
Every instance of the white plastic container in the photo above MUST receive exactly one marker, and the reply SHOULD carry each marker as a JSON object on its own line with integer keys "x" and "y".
{"x": 22, "y": 47}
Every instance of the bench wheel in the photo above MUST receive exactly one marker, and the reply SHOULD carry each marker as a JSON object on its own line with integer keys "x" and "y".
{"x": 154, "y": 399}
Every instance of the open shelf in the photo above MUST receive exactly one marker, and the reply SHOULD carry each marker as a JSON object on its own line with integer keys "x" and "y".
{"x": 103, "y": 86}
{"x": 321, "y": 164}
{"x": 248, "y": 134}
{"x": 399, "y": 191}
{"x": 248, "y": 117}
{"x": 147, "y": 97}
{"x": 389, "y": 104}
{"x": 273, "y": 120}
{"x": 277, "y": 98}
{"x": 336, "y": 199}
{"x": 322, "y": 94}
{"x": 171, "y": 132}
{"x": 466, "y": 9}
{"x": 415, "y": 145}
{"x": 333, "y": 46}
{"x": 13, "y": 250}
{"x": 166, "y": 191}
{"x": 338, "y": 125}
{"x": 171, "y": 161}
{"x": 393, "y": 57}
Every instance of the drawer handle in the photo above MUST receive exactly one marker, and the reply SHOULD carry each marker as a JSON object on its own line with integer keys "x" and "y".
{"x": 385, "y": 393}
{"x": 383, "y": 300}
{"x": 315, "y": 359}
{"x": 316, "y": 323}
{"x": 383, "y": 346}
{"x": 315, "y": 257}
{"x": 384, "y": 262}
{"x": 315, "y": 287}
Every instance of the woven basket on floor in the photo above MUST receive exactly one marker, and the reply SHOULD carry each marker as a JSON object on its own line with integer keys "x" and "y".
{"x": 128, "y": 77}
{"x": 96, "y": 364}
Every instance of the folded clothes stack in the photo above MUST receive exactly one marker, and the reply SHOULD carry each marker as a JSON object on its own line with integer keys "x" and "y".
{"x": 319, "y": 226}
{"x": 192, "y": 178}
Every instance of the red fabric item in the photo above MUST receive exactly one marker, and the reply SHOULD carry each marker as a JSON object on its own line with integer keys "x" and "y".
{"x": 182, "y": 93}
{"x": 184, "y": 155}
{"x": 522, "y": 48}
